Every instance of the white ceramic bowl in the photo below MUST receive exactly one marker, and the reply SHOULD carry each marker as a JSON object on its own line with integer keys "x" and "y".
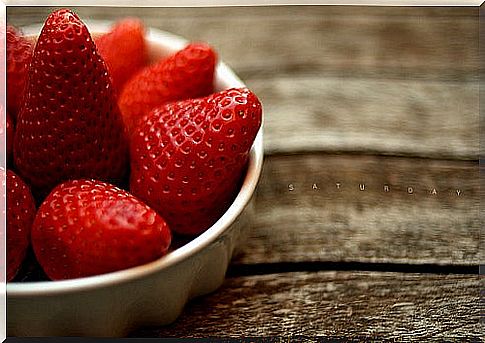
{"x": 111, "y": 305}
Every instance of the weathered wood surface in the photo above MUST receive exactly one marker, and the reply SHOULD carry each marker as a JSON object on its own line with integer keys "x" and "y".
{"x": 272, "y": 40}
{"x": 383, "y": 81}
{"x": 373, "y": 116}
{"x": 348, "y": 224}
{"x": 418, "y": 307}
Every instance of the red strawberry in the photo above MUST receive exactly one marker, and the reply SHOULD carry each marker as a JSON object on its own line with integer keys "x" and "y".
{"x": 187, "y": 74}
{"x": 124, "y": 50}
{"x": 88, "y": 227}
{"x": 70, "y": 126}
{"x": 19, "y": 54}
{"x": 20, "y": 216}
{"x": 10, "y": 134}
{"x": 187, "y": 157}
{"x": 6, "y": 133}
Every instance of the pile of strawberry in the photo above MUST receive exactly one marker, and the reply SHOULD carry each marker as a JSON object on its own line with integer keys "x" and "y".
{"x": 118, "y": 154}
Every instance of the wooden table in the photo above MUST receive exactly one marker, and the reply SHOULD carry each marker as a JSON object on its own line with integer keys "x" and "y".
{"x": 356, "y": 99}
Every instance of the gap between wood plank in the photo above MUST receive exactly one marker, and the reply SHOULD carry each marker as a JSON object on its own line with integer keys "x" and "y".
{"x": 238, "y": 270}
{"x": 371, "y": 154}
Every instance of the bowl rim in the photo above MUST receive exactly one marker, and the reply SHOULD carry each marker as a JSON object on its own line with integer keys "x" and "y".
{"x": 224, "y": 78}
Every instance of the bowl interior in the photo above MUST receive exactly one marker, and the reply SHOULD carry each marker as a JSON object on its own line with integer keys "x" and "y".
{"x": 160, "y": 44}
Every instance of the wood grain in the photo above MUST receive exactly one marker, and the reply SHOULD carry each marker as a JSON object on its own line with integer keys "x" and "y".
{"x": 410, "y": 42}
{"x": 373, "y": 116}
{"x": 394, "y": 81}
{"x": 418, "y": 307}
{"x": 347, "y": 224}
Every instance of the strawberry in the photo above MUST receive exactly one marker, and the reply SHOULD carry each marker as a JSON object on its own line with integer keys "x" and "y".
{"x": 19, "y": 54}
{"x": 186, "y": 74}
{"x": 70, "y": 126}
{"x": 188, "y": 157}
{"x": 6, "y": 132}
{"x": 10, "y": 134}
{"x": 87, "y": 227}
{"x": 124, "y": 50}
{"x": 20, "y": 216}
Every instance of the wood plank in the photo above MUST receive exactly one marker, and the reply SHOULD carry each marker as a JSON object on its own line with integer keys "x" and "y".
{"x": 347, "y": 224}
{"x": 260, "y": 41}
{"x": 398, "y": 117}
{"x": 344, "y": 304}
{"x": 386, "y": 97}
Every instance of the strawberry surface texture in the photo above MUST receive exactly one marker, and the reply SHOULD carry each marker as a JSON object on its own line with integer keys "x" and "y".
{"x": 20, "y": 216}
{"x": 19, "y": 54}
{"x": 70, "y": 126}
{"x": 87, "y": 227}
{"x": 189, "y": 73}
{"x": 7, "y": 132}
{"x": 188, "y": 157}
{"x": 124, "y": 50}
{"x": 10, "y": 134}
